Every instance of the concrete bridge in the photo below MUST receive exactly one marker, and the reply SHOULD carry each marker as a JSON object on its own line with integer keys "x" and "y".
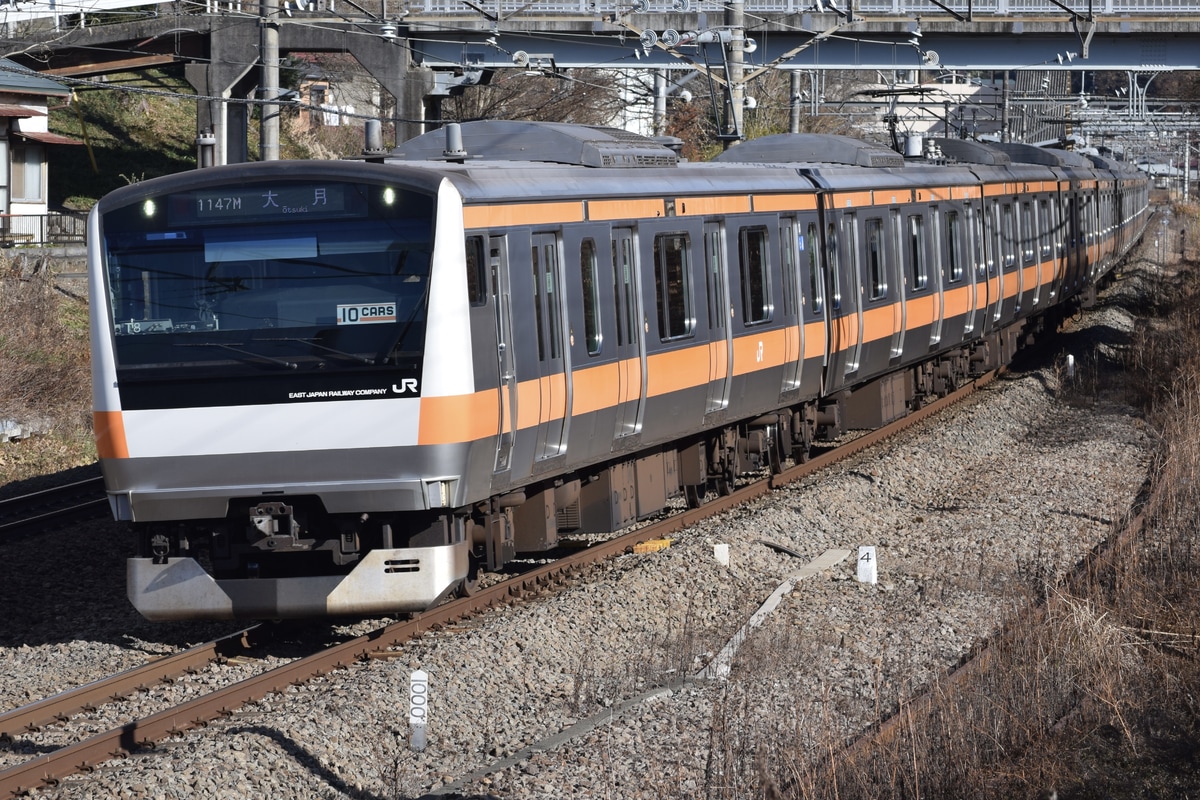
{"x": 423, "y": 50}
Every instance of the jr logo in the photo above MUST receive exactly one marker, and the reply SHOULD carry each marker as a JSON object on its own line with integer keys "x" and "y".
{"x": 407, "y": 385}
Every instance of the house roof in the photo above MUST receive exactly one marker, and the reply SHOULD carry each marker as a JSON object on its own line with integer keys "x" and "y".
{"x": 46, "y": 138}
{"x": 8, "y": 110}
{"x": 20, "y": 80}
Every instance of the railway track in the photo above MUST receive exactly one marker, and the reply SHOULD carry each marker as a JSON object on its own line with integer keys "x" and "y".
{"x": 51, "y": 767}
{"x": 33, "y": 511}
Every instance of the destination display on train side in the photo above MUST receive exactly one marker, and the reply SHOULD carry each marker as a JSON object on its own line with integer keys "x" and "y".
{"x": 291, "y": 202}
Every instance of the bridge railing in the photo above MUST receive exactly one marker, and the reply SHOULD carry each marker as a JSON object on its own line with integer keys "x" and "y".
{"x": 89, "y": 9}
{"x": 892, "y": 7}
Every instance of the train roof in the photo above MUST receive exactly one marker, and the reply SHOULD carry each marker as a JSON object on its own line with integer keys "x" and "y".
{"x": 547, "y": 142}
{"x": 811, "y": 148}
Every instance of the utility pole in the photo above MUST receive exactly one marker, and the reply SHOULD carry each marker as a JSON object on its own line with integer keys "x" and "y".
{"x": 735, "y": 18}
{"x": 1004, "y": 120}
{"x": 269, "y": 128}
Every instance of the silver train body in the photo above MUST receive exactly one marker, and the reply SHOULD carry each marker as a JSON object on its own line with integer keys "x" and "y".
{"x": 340, "y": 388}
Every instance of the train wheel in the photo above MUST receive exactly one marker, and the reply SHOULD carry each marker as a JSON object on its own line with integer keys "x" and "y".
{"x": 724, "y": 483}
{"x": 775, "y": 454}
{"x": 470, "y": 584}
{"x": 695, "y": 495}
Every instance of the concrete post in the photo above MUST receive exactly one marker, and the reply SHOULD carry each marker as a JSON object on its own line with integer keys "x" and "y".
{"x": 268, "y": 131}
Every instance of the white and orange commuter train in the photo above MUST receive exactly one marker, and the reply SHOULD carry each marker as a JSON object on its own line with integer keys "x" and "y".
{"x": 329, "y": 388}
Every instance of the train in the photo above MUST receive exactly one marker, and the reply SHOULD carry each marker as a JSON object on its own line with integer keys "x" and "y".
{"x": 350, "y": 388}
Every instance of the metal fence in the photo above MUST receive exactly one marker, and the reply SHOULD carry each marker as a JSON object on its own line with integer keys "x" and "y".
{"x": 64, "y": 227}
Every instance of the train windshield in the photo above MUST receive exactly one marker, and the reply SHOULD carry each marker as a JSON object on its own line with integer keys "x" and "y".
{"x": 280, "y": 275}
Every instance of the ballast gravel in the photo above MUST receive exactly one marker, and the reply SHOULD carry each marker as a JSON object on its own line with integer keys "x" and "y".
{"x": 596, "y": 692}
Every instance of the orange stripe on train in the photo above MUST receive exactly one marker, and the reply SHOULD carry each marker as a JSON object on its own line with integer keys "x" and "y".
{"x": 509, "y": 214}
{"x": 110, "y": 434}
{"x": 459, "y": 418}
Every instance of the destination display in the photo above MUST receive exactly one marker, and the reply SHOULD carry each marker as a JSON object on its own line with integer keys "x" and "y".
{"x": 291, "y": 201}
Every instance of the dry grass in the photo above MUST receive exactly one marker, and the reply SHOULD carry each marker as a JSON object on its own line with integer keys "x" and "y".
{"x": 1093, "y": 696}
{"x": 45, "y": 382}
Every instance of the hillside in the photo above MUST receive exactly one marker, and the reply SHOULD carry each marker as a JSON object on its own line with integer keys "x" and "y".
{"x": 143, "y": 125}
{"x": 131, "y": 136}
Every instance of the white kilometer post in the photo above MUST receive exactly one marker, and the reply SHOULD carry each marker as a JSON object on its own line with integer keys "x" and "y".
{"x": 868, "y": 569}
{"x": 418, "y": 708}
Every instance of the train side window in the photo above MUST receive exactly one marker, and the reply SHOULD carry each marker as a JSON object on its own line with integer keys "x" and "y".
{"x": 875, "y": 257}
{"x": 916, "y": 248}
{"x": 809, "y": 244}
{"x": 1044, "y": 228}
{"x": 1028, "y": 232}
{"x": 672, "y": 279}
{"x": 545, "y": 291}
{"x": 718, "y": 309}
{"x": 755, "y": 264}
{"x": 954, "y": 246}
{"x": 623, "y": 290}
{"x": 991, "y": 237}
{"x": 1059, "y": 241}
{"x": 591, "y": 295}
{"x": 1008, "y": 235}
{"x": 835, "y": 272}
{"x": 476, "y": 285}
{"x": 787, "y": 255}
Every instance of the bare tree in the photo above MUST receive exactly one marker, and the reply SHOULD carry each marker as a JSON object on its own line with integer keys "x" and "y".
{"x": 584, "y": 96}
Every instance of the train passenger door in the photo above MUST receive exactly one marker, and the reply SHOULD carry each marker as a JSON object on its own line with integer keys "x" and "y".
{"x": 793, "y": 318}
{"x": 851, "y": 248}
{"x": 975, "y": 268}
{"x": 631, "y": 346}
{"x": 553, "y": 387}
{"x": 993, "y": 275}
{"x": 1031, "y": 270}
{"x": 720, "y": 345}
{"x": 814, "y": 306}
{"x": 502, "y": 289}
{"x": 843, "y": 309}
{"x": 935, "y": 275}
{"x": 900, "y": 303}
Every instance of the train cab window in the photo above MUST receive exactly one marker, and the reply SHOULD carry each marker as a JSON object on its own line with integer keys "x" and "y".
{"x": 591, "y": 295}
{"x": 476, "y": 284}
{"x": 1008, "y": 236}
{"x": 954, "y": 247}
{"x": 875, "y": 256}
{"x": 916, "y": 252}
{"x": 809, "y": 244}
{"x": 755, "y": 268}
{"x": 835, "y": 272}
{"x": 672, "y": 280}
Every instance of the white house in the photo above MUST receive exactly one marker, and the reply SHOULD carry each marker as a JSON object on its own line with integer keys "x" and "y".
{"x": 25, "y": 99}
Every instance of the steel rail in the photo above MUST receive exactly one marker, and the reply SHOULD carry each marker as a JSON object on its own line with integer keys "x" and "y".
{"x": 60, "y": 707}
{"x": 14, "y": 506}
{"x": 50, "y": 768}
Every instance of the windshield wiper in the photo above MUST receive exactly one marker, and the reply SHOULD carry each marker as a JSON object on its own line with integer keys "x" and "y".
{"x": 255, "y": 356}
{"x": 315, "y": 345}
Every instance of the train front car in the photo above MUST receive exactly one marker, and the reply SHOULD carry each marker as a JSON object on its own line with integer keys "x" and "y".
{"x": 259, "y": 340}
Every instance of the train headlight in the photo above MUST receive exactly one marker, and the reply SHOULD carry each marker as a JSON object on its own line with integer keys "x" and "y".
{"x": 149, "y": 207}
{"x": 389, "y": 196}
